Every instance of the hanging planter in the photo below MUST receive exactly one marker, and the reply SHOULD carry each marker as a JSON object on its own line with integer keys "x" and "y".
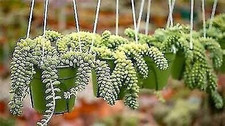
{"x": 149, "y": 63}
{"x": 100, "y": 71}
{"x": 197, "y": 72}
{"x": 157, "y": 79}
{"x": 67, "y": 77}
{"x": 54, "y": 72}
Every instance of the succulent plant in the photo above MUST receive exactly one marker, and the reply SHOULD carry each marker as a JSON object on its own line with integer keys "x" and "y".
{"x": 28, "y": 55}
{"x": 216, "y": 29}
{"x": 48, "y": 53}
{"x": 215, "y": 51}
{"x": 198, "y": 72}
{"x": 137, "y": 52}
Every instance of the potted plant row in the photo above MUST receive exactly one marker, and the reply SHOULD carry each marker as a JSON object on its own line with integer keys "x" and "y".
{"x": 191, "y": 65}
{"x": 55, "y": 67}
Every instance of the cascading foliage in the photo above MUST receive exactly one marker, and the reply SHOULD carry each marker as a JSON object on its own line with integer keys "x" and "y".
{"x": 198, "y": 72}
{"x": 28, "y": 55}
{"x": 46, "y": 53}
{"x": 115, "y": 62}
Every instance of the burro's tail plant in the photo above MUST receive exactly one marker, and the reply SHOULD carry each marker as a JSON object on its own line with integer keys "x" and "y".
{"x": 216, "y": 30}
{"x": 194, "y": 64}
{"x": 137, "y": 52}
{"x": 27, "y": 55}
{"x": 81, "y": 43}
{"x": 124, "y": 80}
{"x": 199, "y": 74}
{"x": 213, "y": 50}
{"x": 53, "y": 68}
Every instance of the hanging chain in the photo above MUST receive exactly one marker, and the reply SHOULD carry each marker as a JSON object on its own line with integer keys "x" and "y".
{"x": 77, "y": 22}
{"x": 148, "y": 17}
{"x": 213, "y": 13}
{"x": 30, "y": 18}
{"x": 203, "y": 18}
{"x": 117, "y": 17}
{"x": 191, "y": 21}
{"x": 95, "y": 23}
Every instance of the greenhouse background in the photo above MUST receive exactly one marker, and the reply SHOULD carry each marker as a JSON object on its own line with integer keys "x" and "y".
{"x": 175, "y": 105}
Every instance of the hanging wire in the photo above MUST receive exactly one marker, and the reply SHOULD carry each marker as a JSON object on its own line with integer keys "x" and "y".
{"x": 168, "y": 20}
{"x": 136, "y": 26}
{"x": 148, "y": 17}
{"x": 117, "y": 17}
{"x": 213, "y": 13}
{"x": 95, "y": 23}
{"x": 77, "y": 22}
{"x": 45, "y": 16}
{"x": 134, "y": 20}
{"x": 170, "y": 17}
{"x": 203, "y": 18}
{"x": 140, "y": 15}
{"x": 191, "y": 21}
{"x": 30, "y": 18}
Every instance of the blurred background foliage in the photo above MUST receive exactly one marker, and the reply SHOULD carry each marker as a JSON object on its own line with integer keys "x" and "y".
{"x": 180, "y": 107}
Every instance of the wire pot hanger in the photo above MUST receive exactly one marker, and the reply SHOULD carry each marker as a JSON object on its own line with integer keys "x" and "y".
{"x": 137, "y": 25}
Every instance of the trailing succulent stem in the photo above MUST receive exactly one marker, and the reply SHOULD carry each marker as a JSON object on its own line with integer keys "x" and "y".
{"x": 22, "y": 72}
{"x": 30, "y": 54}
{"x": 215, "y": 51}
{"x": 84, "y": 64}
{"x": 104, "y": 81}
{"x": 50, "y": 79}
{"x": 112, "y": 41}
{"x": 124, "y": 75}
{"x": 78, "y": 42}
{"x": 198, "y": 72}
{"x": 137, "y": 52}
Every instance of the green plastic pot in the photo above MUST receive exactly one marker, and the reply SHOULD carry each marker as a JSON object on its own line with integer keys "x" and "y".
{"x": 222, "y": 45}
{"x": 178, "y": 66}
{"x": 67, "y": 77}
{"x": 222, "y": 68}
{"x": 157, "y": 79}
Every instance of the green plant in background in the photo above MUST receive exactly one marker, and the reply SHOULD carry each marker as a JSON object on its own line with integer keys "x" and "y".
{"x": 216, "y": 30}
{"x": 181, "y": 114}
{"x": 7, "y": 122}
{"x": 119, "y": 120}
{"x": 190, "y": 64}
